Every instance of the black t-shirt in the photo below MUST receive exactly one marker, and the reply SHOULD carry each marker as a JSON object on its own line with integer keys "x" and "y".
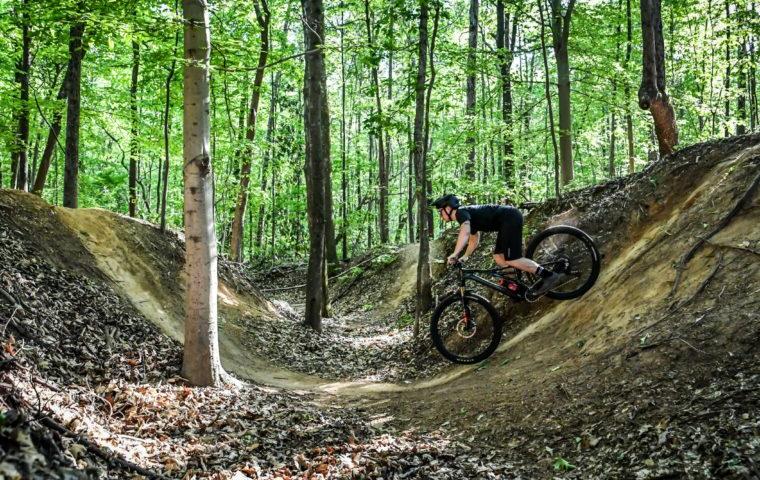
{"x": 485, "y": 218}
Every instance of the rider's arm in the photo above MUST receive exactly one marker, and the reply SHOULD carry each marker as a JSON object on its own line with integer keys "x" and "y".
{"x": 472, "y": 244}
{"x": 462, "y": 239}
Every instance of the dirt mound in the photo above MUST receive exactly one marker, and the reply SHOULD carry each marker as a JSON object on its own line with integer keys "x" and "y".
{"x": 635, "y": 366}
{"x": 61, "y": 311}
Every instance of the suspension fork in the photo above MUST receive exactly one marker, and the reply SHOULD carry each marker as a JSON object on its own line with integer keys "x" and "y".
{"x": 465, "y": 307}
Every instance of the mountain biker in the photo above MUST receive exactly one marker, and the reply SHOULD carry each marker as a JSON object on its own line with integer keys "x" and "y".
{"x": 508, "y": 222}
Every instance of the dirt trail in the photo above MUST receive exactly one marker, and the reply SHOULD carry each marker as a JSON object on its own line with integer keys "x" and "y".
{"x": 630, "y": 285}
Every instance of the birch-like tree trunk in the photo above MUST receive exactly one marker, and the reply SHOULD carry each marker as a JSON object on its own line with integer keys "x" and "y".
{"x": 201, "y": 364}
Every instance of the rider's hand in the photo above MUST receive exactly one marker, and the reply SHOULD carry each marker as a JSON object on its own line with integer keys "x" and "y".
{"x": 453, "y": 259}
{"x": 464, "y": 258}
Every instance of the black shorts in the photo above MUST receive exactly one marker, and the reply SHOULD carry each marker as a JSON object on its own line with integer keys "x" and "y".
{"x": 509, "y": 238}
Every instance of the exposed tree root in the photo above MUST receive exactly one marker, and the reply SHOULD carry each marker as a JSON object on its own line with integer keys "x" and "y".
{"x": 675, "y": 306}
{"x": 734, "y": 247}
{"x": 721, "y": 225}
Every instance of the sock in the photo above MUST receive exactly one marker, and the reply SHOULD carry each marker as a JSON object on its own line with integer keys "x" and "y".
{"x": 543, "y": 273}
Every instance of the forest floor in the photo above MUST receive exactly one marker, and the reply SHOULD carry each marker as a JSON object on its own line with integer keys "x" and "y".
{"x": 637, "y": 379}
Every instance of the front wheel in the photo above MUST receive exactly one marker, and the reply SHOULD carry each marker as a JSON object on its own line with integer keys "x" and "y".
{"x": 465, "y": 329}
{"x": 570, "y": 252}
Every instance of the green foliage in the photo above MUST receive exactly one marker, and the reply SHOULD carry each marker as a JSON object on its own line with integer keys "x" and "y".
{"x": 562, "y": 465}
{"x": 705, "y": 91}
{"x": 404, "y": 321}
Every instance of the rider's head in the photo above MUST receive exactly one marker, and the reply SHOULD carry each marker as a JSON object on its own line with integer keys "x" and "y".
{"x": 447, "y": 206}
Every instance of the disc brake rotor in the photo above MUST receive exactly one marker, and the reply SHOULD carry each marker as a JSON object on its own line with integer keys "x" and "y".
{"x": 464, "y": 330}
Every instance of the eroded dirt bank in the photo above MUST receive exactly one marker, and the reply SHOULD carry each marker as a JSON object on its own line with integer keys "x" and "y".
{"x": 634, "y": 380}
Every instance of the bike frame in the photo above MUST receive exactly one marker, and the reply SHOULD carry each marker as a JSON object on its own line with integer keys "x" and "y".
{"x": 510, "y": 273}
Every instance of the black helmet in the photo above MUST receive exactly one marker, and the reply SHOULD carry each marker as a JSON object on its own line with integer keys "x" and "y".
{"x": 449, "y": 200}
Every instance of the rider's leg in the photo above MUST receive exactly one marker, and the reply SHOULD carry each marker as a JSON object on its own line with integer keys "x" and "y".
{"x": 508, "y": 250}
{"x": 522, "y": 263}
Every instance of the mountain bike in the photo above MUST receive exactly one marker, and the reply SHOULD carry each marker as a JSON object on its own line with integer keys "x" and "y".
{"x": 466, "y": 328}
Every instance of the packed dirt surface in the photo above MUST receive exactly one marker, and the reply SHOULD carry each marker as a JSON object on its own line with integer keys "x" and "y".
{"x": 652, "y": 374}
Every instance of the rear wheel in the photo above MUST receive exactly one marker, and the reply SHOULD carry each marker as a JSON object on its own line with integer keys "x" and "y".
{"x": 568, "y": 251}
{"x": 465, "y": 330}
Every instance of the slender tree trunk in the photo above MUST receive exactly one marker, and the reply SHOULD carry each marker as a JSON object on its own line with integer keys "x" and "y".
{"x": 753, "y": 107}
{"x": 22, "y": 76}
{"x": 35, "y": 156}
{"x": 317, "y": 131}
{"x": 331, "y": 246}
{"x": 273, "y": 97}
{"x": 652, "y": 95}
{"x": 134, "y": 130}
{"x": 343, "y": 176}
{"x": 52, "y": 138}
{"x": 727, "y": 78}
{"x": 167, "y": 123}
{"x": 382, "y": 161}
{"x": 560, "y": 26}
{"x": 505, "y": 49}
{"x": 550, "y": 109}
{"x": 428, "y": 140}
{"x": 71, "y": 170}
{"x": 236, "y": 241}
{"x": 201, "y": 364}
{"x": 471, "y": 80}
{"x": 741, "y": 100}
{"x": 411, "y": 194}
{"x": 424, "y": 282}
{"x": 613, "y": 119}
{"x": 628, "y": 116}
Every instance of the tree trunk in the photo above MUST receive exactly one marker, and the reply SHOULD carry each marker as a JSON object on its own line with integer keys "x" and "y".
{"x": 134, "y": 129}
{"x": 628, "y": 116}
{"x": 167, "y": 113}
{"x": 71, "y": 170}
{"x": 317, "y": 131}
{"x": 560, "y": 26}
{"x": 410, "y": 192}
{"x": 343, "y": 176}
{"x": 471, "y": 79}
{"x": 382, "y": 161}
{"x": 22, "y": 141}
{"x": 52, "y": 139}
{"x": 550, "y": 109}
{"x": 505, "y": 49}
{"x": 424, "y": 282}
{"x": 613, "y": 118}
{"x": 201, "y": 364}
{"x": 741, "y": 101}
{"x": 236, "y": 241}
{"x": 652, "y": 95}
{"x": 727, "y": 78}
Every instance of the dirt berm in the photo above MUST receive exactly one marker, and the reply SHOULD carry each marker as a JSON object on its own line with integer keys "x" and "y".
{"x": 640, "y": 378}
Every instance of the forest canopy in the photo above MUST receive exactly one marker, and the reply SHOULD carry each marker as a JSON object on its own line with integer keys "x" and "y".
{"x": 491, "y": 67}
